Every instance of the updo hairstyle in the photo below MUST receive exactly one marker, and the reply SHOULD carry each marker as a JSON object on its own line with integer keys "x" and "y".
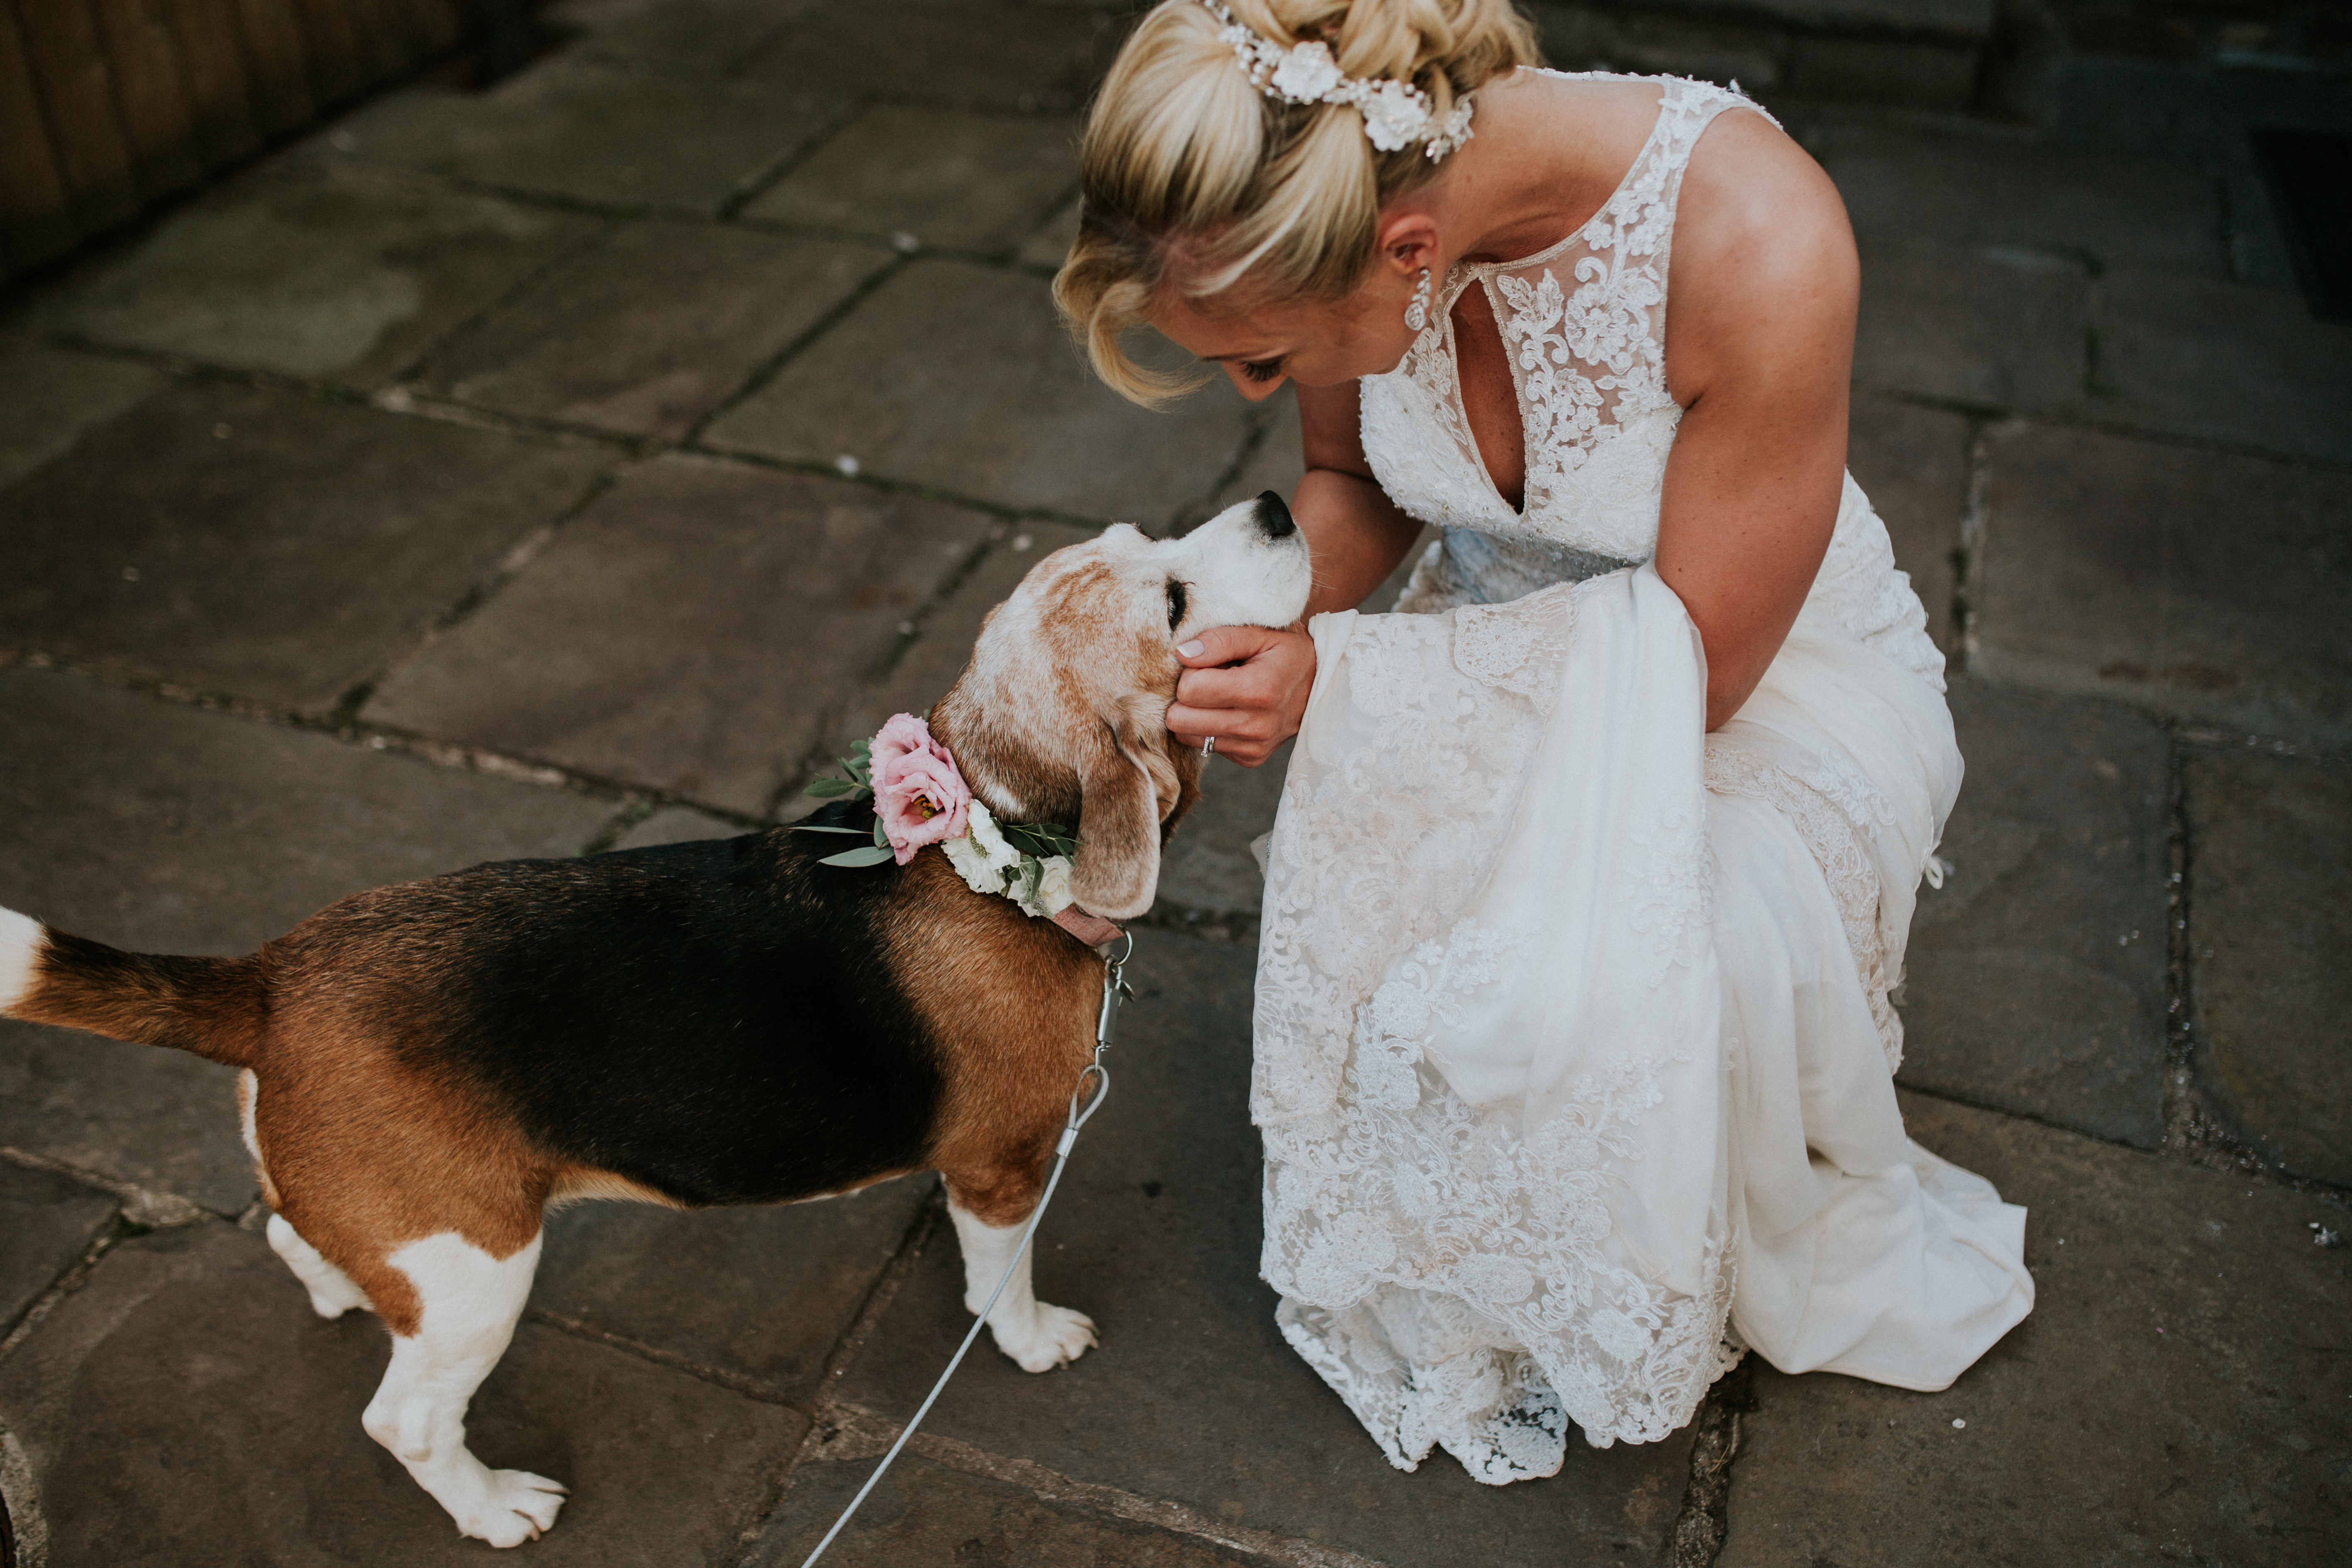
{"x": 1194, "y": 178}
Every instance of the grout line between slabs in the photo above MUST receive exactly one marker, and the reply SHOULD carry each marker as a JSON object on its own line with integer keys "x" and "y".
{"x": 860, "y": 1435}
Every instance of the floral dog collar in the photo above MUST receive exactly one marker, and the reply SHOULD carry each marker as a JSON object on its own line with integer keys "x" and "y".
{"x": 920, "y": 797}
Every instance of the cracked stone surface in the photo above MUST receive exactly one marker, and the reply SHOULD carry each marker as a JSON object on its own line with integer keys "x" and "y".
{"x": 961, "y": 377}
{"x": 2152, "y": 1408}
{"x": 2270, "y": 926}
{"x": 687, "y": 630}
{"x": 649, "y": 330}
{"x": 2201, "y": 583}
{"x": 311, "y": 270}
{"x": 263, "y": 544}
{"x": 194, "y": 1352}
{"x": 46, "y": 1222}
{"x": 249, "y": 829}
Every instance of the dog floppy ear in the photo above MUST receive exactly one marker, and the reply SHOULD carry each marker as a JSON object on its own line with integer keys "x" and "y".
{"x": 1127, "y": 786}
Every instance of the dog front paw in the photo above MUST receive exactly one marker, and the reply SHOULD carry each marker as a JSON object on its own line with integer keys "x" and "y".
{"x": 1052, "y": 1337}
{"x": 514, "y": 1508}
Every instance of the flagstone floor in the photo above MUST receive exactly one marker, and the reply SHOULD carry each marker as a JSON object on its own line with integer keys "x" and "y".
{"x": 580, "y": 464}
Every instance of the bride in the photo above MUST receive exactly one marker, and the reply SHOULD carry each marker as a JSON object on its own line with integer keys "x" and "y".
{"x": 1595, "y": 863}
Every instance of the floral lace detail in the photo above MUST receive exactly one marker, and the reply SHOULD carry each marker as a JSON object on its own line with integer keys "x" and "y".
{"x": 1455, "y": 1271}
{"x": 1584, "y": 322}
{"x": 1672, "y": 900}
{"x": 1833, "y": 812}
{"x": 1518, "y": 653}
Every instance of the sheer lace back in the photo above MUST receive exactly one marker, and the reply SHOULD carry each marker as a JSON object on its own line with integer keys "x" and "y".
{"x": 1584, "y": 325}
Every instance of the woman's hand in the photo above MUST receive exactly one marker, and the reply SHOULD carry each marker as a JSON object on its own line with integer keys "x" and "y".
{"x": 1246, "y": 685}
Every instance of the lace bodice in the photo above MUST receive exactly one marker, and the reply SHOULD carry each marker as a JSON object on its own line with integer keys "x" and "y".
{"x": 1584, "y": 322}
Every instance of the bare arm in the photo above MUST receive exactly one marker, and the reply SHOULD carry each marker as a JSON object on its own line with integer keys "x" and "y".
{"x": 1248, "y": 686}
{"x": 1761, "y": 347}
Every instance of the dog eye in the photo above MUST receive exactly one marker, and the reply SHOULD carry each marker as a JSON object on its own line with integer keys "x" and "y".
{"x": 1175, "y": 604}
{"x": 1263, "y": 369}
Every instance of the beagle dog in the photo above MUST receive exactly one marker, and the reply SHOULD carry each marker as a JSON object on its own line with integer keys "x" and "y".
{"x": 424, "y": 1068}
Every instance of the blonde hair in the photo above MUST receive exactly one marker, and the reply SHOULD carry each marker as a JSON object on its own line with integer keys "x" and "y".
{"x": 1193, "y": 178}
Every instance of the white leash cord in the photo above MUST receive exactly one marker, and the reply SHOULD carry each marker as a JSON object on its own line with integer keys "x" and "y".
{"x": 1114, "y": 987}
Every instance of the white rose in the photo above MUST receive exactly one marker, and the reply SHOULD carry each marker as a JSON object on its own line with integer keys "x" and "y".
{"x": 1052, "y": 887}
{"x": 981, "y": 855}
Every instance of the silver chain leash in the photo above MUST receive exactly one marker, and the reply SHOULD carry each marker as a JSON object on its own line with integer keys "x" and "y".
{"x": 1115, "y": 989}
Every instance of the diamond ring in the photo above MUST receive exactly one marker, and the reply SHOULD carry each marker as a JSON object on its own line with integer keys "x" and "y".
{"x": 1209, "y": 747}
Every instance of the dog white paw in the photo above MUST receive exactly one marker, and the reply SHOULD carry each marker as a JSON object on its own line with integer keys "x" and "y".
{"x": 328, "y": 1307}
{"x": 1053, "y": 1337}
{"x": 515, "y": 1507}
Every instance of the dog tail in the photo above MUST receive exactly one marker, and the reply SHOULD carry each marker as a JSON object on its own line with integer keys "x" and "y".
{"x": 214, "y": 1007}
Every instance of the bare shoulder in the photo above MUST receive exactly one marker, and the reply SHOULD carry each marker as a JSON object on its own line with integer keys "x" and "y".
{"x": 1763, "y": 261}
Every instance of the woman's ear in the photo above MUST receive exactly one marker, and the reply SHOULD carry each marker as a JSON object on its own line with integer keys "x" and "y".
{"x": 1128, "y": 787}
{"x": 1408, "y": 242}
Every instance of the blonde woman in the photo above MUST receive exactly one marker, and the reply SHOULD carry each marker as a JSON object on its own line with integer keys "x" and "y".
{"x": 1594, "y": 866}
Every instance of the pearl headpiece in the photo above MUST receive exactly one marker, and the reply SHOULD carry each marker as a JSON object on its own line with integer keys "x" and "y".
{"x": 1396, "y": 113}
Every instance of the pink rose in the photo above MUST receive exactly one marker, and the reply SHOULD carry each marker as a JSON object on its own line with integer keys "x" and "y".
{"x": 918, "y": 792}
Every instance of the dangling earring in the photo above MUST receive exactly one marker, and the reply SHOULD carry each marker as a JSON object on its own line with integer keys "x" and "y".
{"x": 1416, "y": 315}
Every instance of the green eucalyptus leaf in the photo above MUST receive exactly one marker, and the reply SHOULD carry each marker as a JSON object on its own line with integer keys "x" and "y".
{"x": 880, "y": 838}
{"x": 821, "y": 827}
{"x": 863, "y": 855}
{"x": 826, "y": 789}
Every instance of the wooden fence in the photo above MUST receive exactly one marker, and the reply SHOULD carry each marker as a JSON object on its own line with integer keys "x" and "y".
{"x": 109, "y": 105}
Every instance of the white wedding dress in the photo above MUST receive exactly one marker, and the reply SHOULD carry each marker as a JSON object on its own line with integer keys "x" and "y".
{"x": 1574, "y": 1055}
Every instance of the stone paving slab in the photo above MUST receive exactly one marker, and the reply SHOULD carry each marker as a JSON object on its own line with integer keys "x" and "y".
{"x": 266, "y": 544}
{"x": 652, "y": 329}
{"x": 2271, "y": 926}
{"x": 168, "y": 829}
{"x": 1193, "y": 1397}
{"x": 925, "y": 1515}
{"x": 310, "y": 270}
{"x": 963, "y": 52}
{"x": 49, "y": 397}
{"x": 2181, "y": 1392}
{"x": 46, "y": 1222}
{"x": 2247, "y": 366}
{"x": 186, "y": 1407}
{"x": 1206, "y": 870}
{"x": 1990, "y": 326}
{"x": 1913, "y": 464}
{"x": 2201, "y": 583}
{"x": 2037, "y": 973}
{"x": 689, "y": 631}
{"x": 760, "y": 1294}
{"x": 616, "y": 138}
{"x": 970, "y": 181}
{"x": 961, "y": 377}
{"x": 1988, "y": 188}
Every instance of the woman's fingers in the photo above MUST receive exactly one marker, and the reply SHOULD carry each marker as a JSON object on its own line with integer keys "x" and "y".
{"x": 1245, "y": 685}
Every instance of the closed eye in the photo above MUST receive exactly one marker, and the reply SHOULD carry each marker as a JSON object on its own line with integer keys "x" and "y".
{"x": 1176, "y": 600}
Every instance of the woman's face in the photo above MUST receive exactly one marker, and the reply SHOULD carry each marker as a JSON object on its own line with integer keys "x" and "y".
{"x": 1315, "y": 344}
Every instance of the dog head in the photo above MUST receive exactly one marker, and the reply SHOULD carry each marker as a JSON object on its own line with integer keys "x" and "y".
{"x": 1062, "y": 714}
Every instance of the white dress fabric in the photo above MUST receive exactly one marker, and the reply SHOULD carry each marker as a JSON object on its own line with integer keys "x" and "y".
{"x": 1574, "y": 1056}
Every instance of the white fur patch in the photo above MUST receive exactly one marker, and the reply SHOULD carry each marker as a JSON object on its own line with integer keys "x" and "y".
{"x": 20, "y": 953}
{"x": 470, "y": 1304}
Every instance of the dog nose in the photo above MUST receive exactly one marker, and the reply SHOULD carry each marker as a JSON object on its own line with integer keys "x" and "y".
{"x": 1274, "y": 517}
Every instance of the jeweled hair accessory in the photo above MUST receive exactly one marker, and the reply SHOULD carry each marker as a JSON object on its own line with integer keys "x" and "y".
{"x": 1396, "y": 113}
